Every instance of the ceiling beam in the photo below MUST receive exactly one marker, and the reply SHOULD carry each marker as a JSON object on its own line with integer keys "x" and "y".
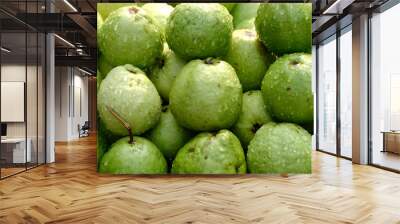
{"x": 86, "y": 27}
{"x": 79, "y": 61}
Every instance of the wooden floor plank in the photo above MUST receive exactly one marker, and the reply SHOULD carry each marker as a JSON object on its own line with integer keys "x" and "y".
{"x": 70, "y": 191}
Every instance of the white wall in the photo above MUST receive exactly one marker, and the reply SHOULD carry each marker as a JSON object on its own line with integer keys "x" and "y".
{"x": 62, "y": 82}
{"x": 80, "y": 103}
{"x": 71, "y": 102}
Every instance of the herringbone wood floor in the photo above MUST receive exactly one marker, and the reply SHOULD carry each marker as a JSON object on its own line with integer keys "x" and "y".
{"x": 70, "y": 191}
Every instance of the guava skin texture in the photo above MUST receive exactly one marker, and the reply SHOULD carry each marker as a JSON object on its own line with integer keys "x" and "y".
{"x": 168, "y": 135}
{"x": 285, "y": 27}
{"x": 160, "y": 12}
{"x": 164, "y": 73}
{"x": 140, "y": 157}
{"x": 280, "y": 148}
{"x": 286, "y": 89}
{"x": 104, "y": 66}
{"x": 211, "y": 153}
{"x": 309, "y": 127}
{"x": 254, "y": 115}
{"x": 99, "y": 79}
{"x": 206, "y": 95}
{"x": 244, "y": 12}
{"x": 128, "y": 92}
{"x": 106, "y": 8}
{"x": 130, "y": 36}
{"x": 99, "y": 21}
{"x": 229, "y": 6}
{"x": 199, "y": 30}
{"x": 247, "y": 24}
{"x": 249, "y": 58}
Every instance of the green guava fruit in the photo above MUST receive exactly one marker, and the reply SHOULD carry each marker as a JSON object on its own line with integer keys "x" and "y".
{"x": 287, "y": 91}
{"x": 168, "y": 135}
{"x": 139, "y": 157}
{"x": 99, "y": 21}
{"x": 211, "y": 153}
{"x": 285, "y": 27}
{"x": 160, "y": 12}
{"x": 128, "y": 92}
{"x": 254, "y": 115}
{"x": 103, "y": 68}
{"x": 103, "y": 65}
{"x": 309, "y": 127}
{"x": 199, "y": 30}
{"x": 99, "y": 78}
{"x": 206, "y": 95}
{"x": 229, "y": 6}
{"x": 130, "y": 36}
{"x": 101, "y": 143}
{"x": 106, "y": 8}
{"x": 244, "y": 12}
{"x": 280, "y": 148}
{"x": 247, "y": 24}
{"x": 249, "y": 58}
{"x": 163, "y": 73}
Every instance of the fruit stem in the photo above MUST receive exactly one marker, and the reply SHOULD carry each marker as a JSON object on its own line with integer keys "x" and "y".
{"x": 209, "y": 61}
{"x": 133, "y": 10}
{"x": 123, "y": 122}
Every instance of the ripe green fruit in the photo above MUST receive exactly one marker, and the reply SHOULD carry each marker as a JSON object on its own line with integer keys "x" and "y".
{"x": 129, "y": 92}
{"x": 254, "y": 115}
{"x": 229, "y": 6}
{"x": 168, "y": 135}
{"x": 309, "y": 127}
{"x": 285, "y": 27}
{"x": 101, "y": 137}
{"x": 247, "y": 24}
{"x": 286, "y": 88}
{"x": 249, "y": 58}
{"x": 244, "y": 12}
{"x": 139, "y": 157}
{"x": 211, "y": 153}
{"x": 164, "y": 73}
{"x": 104, "y": 66}
{"x": 206, "y": 95}
{"x": 130, "y": 36}
{"x": 199, "y": 30}
{"x": 99, "y": 21}
{"x": 106, "y": 9}
{"x": 99, "y": 78}
{"x": 160, "y": 12}
{"x": 280, "y": 148}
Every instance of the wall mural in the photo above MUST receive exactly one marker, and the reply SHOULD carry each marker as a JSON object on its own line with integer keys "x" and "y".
{"x": 204, "y": 88}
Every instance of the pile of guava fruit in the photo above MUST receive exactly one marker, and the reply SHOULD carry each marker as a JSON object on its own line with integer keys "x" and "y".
{"x": 204, "y": 88}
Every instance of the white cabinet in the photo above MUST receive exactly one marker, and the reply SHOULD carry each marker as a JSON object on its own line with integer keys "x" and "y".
{"x": 19, "y": 155}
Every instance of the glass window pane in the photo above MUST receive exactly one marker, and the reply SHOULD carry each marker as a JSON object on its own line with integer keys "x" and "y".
{"x": 31, "y": 97}
{"x": 385, "y": 114}
{"x": 327, "y": 96}
{"x": 13, "y": 86}
{"x": 346, "y": 93}
{"x": 314, "y": 76}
